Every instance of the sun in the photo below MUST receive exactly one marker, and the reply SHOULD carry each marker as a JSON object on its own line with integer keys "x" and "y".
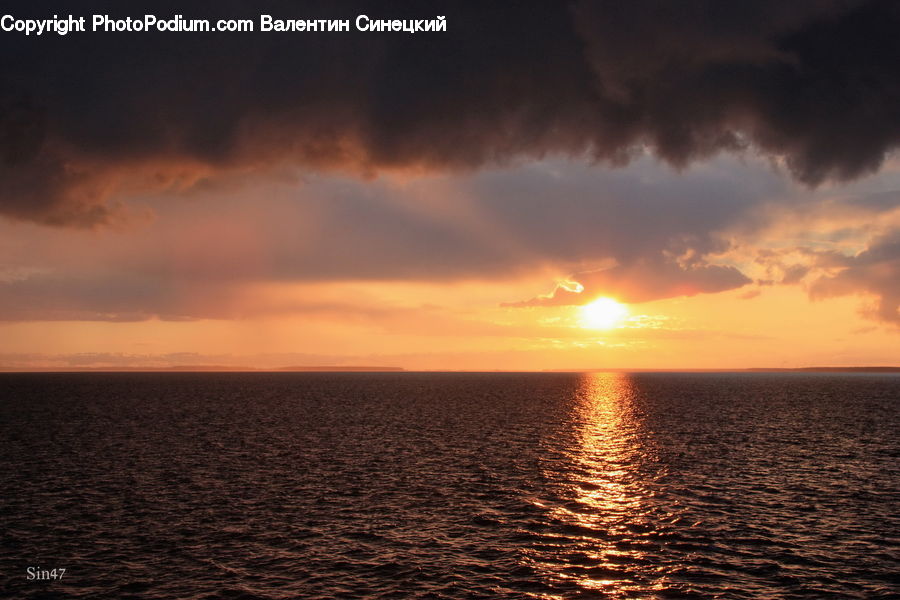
{"x": 603, "y": 313}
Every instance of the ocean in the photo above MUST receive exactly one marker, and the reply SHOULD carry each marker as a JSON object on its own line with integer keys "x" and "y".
{"x": 450, "y": 485}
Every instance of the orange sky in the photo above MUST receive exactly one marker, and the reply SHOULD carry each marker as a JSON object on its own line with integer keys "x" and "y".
{"x": 728, "y": 264}
{"x": 452, "y": 198}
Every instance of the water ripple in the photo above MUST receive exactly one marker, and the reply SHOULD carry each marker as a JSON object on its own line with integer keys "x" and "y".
{"x": 277, "y": 486}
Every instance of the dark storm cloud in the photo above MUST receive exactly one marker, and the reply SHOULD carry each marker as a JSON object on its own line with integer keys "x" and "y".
{"x": 90, "y": 117}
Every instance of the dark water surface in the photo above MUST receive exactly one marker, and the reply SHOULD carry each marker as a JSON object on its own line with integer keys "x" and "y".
{"x": 451, "y": 485}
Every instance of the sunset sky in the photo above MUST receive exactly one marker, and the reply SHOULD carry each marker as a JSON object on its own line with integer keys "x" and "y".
{"x": 729, "y": 182}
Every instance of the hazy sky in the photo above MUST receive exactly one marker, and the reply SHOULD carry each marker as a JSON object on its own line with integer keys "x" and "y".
{"x": 453, "y": 200}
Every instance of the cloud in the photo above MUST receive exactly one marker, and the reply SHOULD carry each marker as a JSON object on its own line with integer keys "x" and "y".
{"x": 643, "y": 281}
{"x": 207, "y": 257}
{"x": 874, "y": 271}
{"x": 105, "y": 295}
{"x": 117, "y": 297}
{"x": 88, "y": 119}
{"x": 640, "y": 233}
{"x": 794, "y": 273}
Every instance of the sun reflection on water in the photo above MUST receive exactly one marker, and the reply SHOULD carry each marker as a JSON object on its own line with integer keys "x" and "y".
{"x": 599, "y": 514}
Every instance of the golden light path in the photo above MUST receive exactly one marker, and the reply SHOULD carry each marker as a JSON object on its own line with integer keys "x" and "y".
{"x": 608, "y": 498}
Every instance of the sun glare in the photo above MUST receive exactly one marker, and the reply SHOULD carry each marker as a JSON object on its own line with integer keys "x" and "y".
{"x": 603, "y": 313}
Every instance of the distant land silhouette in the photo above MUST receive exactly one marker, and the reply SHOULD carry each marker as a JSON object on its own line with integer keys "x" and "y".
{"x": 895, "y": 369}
{"x": 202, "y": 369}
{"x": 838, "y": 369}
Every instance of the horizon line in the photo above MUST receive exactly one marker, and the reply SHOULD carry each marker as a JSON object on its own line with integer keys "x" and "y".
{"x": 392, "y": 369}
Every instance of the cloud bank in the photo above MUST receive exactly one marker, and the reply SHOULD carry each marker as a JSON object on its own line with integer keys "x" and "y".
{"x": 203, "y": 258}
{"x": 88, "y": 119}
